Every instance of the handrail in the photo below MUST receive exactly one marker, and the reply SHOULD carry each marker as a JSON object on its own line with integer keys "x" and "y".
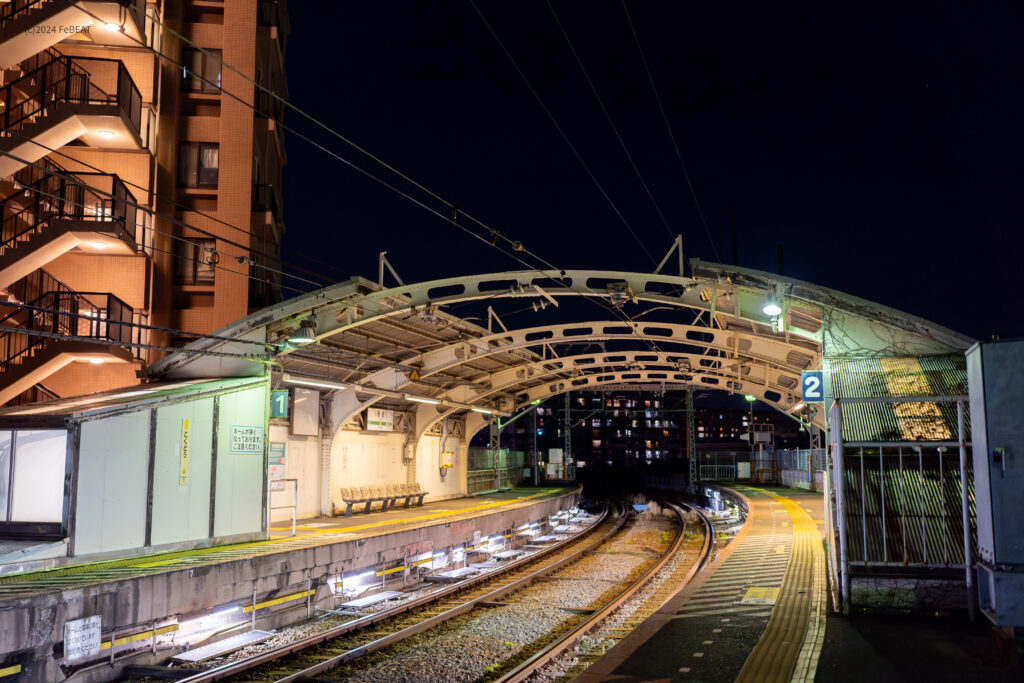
{"x": 67, "y": 196}
{"x": 67, "y": 312}
{"x": 17, "y": 8}
{"x": 65, "y": 79}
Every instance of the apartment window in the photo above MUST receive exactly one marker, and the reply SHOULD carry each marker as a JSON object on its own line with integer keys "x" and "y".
{"x": 194, "y": 261}
{"x": 201, "y": 71}
{"x": 198, "y": 164}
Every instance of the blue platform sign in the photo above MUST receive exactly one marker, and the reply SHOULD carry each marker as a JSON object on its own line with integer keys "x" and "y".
{"x": 812, "y": 386}
{"x": 279, "y": 403}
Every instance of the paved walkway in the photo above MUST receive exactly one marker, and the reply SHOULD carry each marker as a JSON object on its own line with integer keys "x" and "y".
{"x": 310, "y": 533}
{"x": 757, "y": 613}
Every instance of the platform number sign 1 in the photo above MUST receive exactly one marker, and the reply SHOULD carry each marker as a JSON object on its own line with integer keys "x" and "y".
{"x": 812, "y": 387}
{"x": 279, "y": 403}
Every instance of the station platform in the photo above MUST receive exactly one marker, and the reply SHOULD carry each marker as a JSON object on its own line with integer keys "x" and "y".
{"x": 756, "y": 613}
{"x": 310, "y": 533}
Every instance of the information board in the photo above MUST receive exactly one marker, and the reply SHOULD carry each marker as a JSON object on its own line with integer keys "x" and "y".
{"x": 380, "y": 420}
{"x": 276, "y": 467}
{"x": 246, "y": 439}
{"x": 82, "y": 638}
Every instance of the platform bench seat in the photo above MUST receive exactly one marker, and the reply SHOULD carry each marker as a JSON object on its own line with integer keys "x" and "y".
{"x": 387, "y": 496}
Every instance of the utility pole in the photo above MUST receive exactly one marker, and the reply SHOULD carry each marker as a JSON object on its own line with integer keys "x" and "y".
{"x": 536, "y": 453}
{"x": 567, "y": 430}
{"x": 691, "y": 443}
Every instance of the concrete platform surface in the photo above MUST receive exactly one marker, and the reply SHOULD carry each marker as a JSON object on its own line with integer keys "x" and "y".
{"x": 309, "y": 534}
{"x": 753, "y": 614}
{"x": 896, "y": 648}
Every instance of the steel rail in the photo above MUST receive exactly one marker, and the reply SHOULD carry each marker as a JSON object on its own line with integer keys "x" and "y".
{"x": 230, "y": 669}
{"x": 558, "y": 647}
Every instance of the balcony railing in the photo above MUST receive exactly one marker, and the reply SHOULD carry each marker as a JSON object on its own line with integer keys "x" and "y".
{"x": 96, "y": 198}
{"x": 15, "y": 9}
{"x": 69, "y": 80}
{"x": 63, "y": 311}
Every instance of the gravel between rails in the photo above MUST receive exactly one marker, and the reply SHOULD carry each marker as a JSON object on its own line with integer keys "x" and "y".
{"x": 472, "y": 647}
{"x": 600, "y": 639}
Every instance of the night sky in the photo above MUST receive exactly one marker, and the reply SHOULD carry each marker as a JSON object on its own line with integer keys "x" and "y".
{"x": 882, "y": 148}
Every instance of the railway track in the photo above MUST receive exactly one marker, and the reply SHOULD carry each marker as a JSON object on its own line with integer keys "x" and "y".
{"x": 315, "y": 656}
{"x": 670, "y": 585}
{"x": 359, "y": 637}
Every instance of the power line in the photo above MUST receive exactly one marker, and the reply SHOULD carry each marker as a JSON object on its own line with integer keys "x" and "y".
{"x": 561, "y": 132}
{"x": 668, "y": 127}
{"x": 70, "y": 176}
{"x": 608, "y": 116}
{"x": 144, "y": 326}
{"x": 75, "y": 181}
{"x": 107, "y": 342}
{"x": 493, "y": 234}
{"x": 164, "y": 251}
{"x": 450, "y": 205}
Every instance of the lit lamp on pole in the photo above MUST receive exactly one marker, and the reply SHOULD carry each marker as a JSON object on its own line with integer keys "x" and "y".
{"x": 750, "y": 423}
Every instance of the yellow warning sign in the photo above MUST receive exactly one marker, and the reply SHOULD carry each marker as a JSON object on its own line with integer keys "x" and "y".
{"x": 186, "y": 452}
{"x": 760, "y": 595}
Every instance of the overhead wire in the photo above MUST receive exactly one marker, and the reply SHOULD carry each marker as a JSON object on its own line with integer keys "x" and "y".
{"x": 186, "y": 207}
{"x": 176, "y": 237}
{"x": 494, "y": 234}
{"x": 668, "y": 127}
{"x": 608, "y": 117}
{"x": 562, "y": 133}
{"x": 70, "y": 175}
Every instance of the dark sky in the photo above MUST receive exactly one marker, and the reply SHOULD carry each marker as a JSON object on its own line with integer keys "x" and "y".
{"x": 881, "y": 147}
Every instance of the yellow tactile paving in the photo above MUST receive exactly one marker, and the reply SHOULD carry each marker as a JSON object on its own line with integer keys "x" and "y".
{"x": 788, "y": 648}
{"x": 98, "y": 572}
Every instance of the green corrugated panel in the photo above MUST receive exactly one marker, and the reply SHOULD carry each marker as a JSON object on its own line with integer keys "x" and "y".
{"x": 878, "y": 422}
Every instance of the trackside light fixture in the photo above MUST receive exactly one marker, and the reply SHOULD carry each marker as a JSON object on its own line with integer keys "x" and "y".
{"x": 772, "y": 309}
{"x": 750, "y": 397}
{"x": 306, "y": 334}
{"x": 313, "y": 383}
{"x": 485, "y": 411}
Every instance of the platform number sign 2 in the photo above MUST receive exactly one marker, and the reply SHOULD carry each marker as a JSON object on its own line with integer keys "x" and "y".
{"x": 812, "y": 387}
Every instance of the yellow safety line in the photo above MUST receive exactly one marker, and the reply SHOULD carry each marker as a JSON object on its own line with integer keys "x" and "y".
{"x": 277, "y": 601}
{"x": 168, "y": 558}
{"x": 141, "y": 635}
{"x": 10, "y": 671}
{"x": 392, "y": 570}
{"x": 788, "y": 646}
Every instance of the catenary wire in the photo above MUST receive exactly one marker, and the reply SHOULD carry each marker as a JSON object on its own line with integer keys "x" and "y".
{"x": 608, "y": 117}
{"x": 668, "y": 127}
{"x": 561, "y": 132}
{"x": 70, "y": 177}
{"x": 182, "y": 239}
{"x": 186, "y": 207}
{"x": 74, "y": 181}
{"x": 494, "y": 234}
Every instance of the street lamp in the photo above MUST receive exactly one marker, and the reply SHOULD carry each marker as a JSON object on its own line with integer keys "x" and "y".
{"x": 750, "y": 424}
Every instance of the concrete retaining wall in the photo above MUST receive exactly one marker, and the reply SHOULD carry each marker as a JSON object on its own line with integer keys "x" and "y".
{"x": 31, "y": 628}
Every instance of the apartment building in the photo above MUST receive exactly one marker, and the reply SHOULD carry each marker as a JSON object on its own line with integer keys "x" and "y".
{"x": 134, "y": 188}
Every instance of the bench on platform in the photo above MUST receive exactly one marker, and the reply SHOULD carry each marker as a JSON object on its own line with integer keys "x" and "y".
{"x": 386, "y": 495}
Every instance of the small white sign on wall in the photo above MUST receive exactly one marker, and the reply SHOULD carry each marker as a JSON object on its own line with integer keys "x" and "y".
{"x": 247, "y": 439}
{"x": 81, "y": 638}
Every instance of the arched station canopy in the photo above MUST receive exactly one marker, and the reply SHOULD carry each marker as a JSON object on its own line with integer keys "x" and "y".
{"x": 398, "y": 347}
